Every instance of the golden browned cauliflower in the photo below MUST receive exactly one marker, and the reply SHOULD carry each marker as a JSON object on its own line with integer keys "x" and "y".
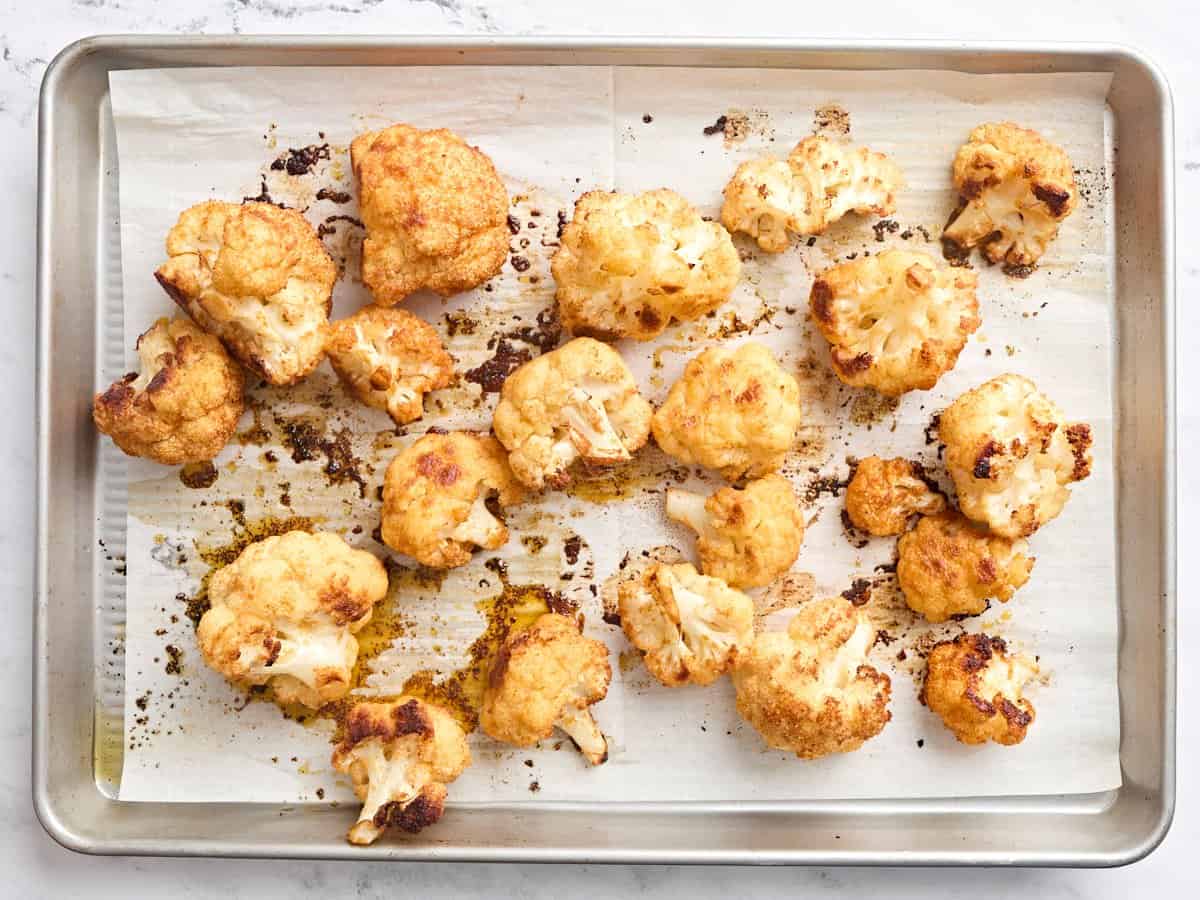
{"x": 436, "y": 498}
{"x": 747, "y": 536}
{"x": 885, "y": 493}
{"x": 1015, "y": 187}
{"x": 691, "y": 628}
{"x": 819, "y": 182}
{"x": 435, "y": 212}
{"x": 809, "y": 689}
{"x": 286, "y": 612}
{"x": 578, "y": 402}
{"x": 949, "y": 566}
{"x": 975, "y": 686}
{"x": 389, "y": 359}
{"x": 630, "y": 263}
{"x": 258, "y": 277}
{"x": 895, "y": 322}
{"x": 1011, "y": 455}
{"x": 734, "y": 410}
{"x": 546, "y": 677}
{"x": 185, "y": 403}
{"x": 400, "y": 756}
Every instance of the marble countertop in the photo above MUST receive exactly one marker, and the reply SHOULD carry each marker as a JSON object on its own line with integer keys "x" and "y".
{"x": 31, "y": 34}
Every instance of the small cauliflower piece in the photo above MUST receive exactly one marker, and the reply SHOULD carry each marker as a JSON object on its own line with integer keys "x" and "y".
{"x": 286, "y": 612}
{"x": 809, "y": 689}
{"x": 628, "y": 264}
{"x": 975, "y": 686}
{"x": 435, "y": 212}
{"x": 185, "y": 403}
{"x": 258, "y": 277}
{"x": 819, "y": 182}
{"x": 747, "y": 536}
{"x": 546, "y": 677}
{"x": 578, "y": 402}
{"x": 896, "y": 321}
{"x": 1015, "y": 187}
{"x": 734, "y": 410}
{"x": 400, "y": 756}
{"x": 1012, "y": 454}
{"x": 885, "y": 493}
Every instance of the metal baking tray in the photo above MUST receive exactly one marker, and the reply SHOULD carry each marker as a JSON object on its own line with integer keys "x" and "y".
{"x": 81, "y": 493}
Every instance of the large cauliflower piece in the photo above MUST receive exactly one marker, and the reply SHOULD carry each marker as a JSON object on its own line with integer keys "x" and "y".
{"x": 1012, "y": 454}
{"x": 578, "y": 402}
{"x": 734, "y": 410}
{"x": 258, "y": 277}
{"x": 436, "y": 495}
{"x": 809, "y": 689}
{"x": 546, "y": 677}
{"x": 949, "y": 566}
{"x": 286, "y": 612}
{"x": 185, "y": 403}
{"x": 747, "y": 537}
{"x": 435, "y": 212}
{"x": 975, "y": 686}
{"x": 819, "y": 182}
{"x": 400, "y": 756}
{"x": 895, "y": 322}
{"x": 885, "y": 493}
{"x": 630, "y": 263}
{"x": 1015, "y": 188}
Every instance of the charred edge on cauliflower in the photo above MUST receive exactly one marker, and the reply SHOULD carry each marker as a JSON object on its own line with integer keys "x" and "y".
{"x": 964, "y": 664}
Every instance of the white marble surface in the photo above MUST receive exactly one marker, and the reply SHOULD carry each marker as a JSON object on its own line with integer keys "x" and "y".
{"x": 30, "y": 34}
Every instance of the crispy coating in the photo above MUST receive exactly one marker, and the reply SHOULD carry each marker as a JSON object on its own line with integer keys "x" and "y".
{"x": 576, "y": 403}
{"x": 809, "y": 689}
{"x": 1012, "y": 454}
{"x": 747, "y": 536}
{"x": 436, "y": 495}
{"x": 286, "y": 612}
{"x": 435, "y": 212}
{"x": 185, "y": 403}
{"x": 258, "y": 277}
{"x": 975, "y": 686}
{"x": 896, "y": 321}
{"x": 885, "y": 493}
{"x": 734, "y": 410}
{"x": 628, "y": 264}
{"x": 819, "y": 182}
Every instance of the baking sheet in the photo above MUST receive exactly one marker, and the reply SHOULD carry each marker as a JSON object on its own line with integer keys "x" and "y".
{"x": 187, "y": 135}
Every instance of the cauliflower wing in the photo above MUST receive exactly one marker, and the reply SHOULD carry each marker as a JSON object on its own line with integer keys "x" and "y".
{"x": 628, "y": 264}
{"x": 185, "y": 403}
{"x": 1011, "y": 455}
{"x": 400, "y": 756}
{"x": 975, "y": 686}
{"x": 435, "y": 211}
{"x": 258, "y": 277}
{"x": 286, "y": 612}
{"x": 885, "y": 493}
{"x": 895, "y": 322}
{"x": 747, "y": 537}
{"x": 578, "y": 402}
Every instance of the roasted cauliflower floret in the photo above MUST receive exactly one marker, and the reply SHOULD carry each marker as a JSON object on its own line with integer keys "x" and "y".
{"x": 1015, "y": 187}
{"x": 819, "y": 182}
{"x": 578, "y": 402}
{"x": 1011, "y": 455}
{"x": 733, "y": 409}
{"x": 435, "y": 212}
{"x": 975, "y": 686}
{"x": 286, "y": 612}
{"x": 747, "y": 537}
{"x": 809, "y": 689}
{"x": 884, "y": 494}
{"x": 400, "y": 756}
{"x": 628, "y": 264}
{"x": 436, "y": 498}
{"x": 258, "y": 277}
{"x": 895, "y": 322}
{"x": 185, "y": 403}
{"x": 546, "y": 677}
